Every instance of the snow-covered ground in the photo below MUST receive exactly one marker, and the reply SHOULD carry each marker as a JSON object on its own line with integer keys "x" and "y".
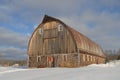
{"x": 109, "y": 71}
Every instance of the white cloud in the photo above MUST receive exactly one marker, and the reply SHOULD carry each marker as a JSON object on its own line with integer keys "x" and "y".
{"x": 9, "y": 37}
{"x": 13, "y": 53}
{"x": 12, "y": 44}
{"x": 4, "y": 17}
{"x": 105, "y": 31}
{"x": 111, "y": 2}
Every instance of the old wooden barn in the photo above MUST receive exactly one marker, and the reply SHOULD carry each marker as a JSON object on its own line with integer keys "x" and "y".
{"x": 55, "y": 44}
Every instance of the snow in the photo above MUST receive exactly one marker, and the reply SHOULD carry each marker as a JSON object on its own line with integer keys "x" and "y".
{"x": 108, "y": 71}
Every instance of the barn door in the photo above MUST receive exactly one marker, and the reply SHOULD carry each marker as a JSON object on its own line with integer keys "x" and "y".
{"x": 55, "y": 61}
{"x": 50, "y": 61}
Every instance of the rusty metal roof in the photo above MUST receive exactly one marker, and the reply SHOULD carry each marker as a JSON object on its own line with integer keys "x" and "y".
{"x": 85, "y": 44}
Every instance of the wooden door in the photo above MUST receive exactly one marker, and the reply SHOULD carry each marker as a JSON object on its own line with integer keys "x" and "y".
{"x": 55, "y": 61}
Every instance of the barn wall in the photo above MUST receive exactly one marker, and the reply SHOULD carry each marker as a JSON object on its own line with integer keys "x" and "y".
{"x": 61, "y": 41}
{"x": 86, "y": 59}
{"x": 59, "y": 60}
{"x": 65, "y": 60}
{"x": 32, "y": 61}
{"x": 51, "y": 41}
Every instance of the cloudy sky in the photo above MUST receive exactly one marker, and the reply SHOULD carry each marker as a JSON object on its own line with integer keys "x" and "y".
{"x": 97, "y": 19}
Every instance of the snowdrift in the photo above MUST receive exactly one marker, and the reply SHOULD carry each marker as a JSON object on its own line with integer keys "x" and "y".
{"x": 109, "y": 71}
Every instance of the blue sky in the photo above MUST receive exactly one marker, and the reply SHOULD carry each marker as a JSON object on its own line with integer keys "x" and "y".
{"x": 97, "y": 19}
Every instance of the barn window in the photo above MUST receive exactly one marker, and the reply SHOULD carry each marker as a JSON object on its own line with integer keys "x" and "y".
{"x": 87, "y": 57}
{"x": 83, "y": 57}
{"x": 40, "y": 31}
{"x": 65, "y": 57}
{"x": 91, "y": 58}
{"x": 39, "y": 59}
{"x": 60, "y": 27}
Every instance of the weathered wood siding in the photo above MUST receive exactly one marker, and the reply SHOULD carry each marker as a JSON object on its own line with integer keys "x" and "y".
{"x": 51, "y": 38}
{"x": 86, "y": 59}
